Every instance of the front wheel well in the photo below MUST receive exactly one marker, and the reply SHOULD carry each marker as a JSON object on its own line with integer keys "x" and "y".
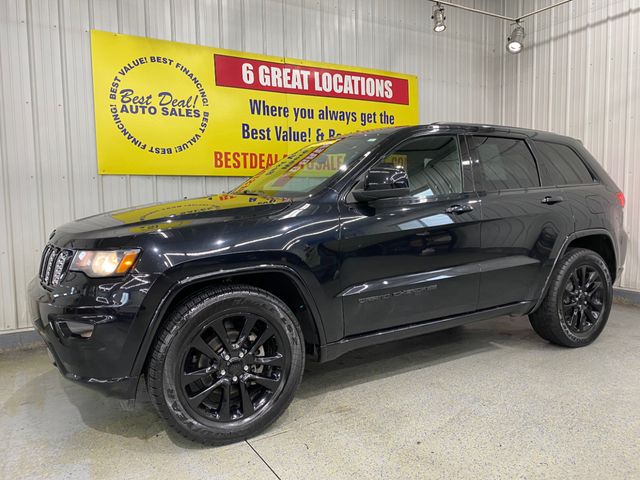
{"x": 277, "y": 283}
{"x": 603, "y": 246}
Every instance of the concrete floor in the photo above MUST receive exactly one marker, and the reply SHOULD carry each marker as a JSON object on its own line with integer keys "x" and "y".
{"x": 490, "y": 400}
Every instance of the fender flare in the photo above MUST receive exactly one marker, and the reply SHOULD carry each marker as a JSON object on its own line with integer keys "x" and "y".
{"x": 563, "y": 248}
{"x": 190, "y": 280}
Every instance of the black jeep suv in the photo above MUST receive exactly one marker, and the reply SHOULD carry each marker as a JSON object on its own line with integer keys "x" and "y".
{"x": 370, "y": 237}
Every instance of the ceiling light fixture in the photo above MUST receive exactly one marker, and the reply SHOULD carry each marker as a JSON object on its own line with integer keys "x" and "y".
{"x": 515, "y": 41}
{"x": 438, "y": 18}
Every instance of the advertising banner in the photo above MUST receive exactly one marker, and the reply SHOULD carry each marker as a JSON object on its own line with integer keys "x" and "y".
{"x": 167, "y": 108}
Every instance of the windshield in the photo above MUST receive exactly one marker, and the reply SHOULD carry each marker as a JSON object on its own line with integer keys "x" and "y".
{"x": 313, "y": 166}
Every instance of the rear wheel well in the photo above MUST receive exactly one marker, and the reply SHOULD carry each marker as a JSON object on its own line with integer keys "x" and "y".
{"x": 277, "y": 283}
{"x": 602, "y": 245}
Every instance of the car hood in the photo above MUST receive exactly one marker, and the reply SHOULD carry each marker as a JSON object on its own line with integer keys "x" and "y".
{"x": 171, "y": 215}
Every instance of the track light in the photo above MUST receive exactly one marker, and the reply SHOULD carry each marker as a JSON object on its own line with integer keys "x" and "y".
{"x": 438, "y": 18}
{"x": 515, "y": 41}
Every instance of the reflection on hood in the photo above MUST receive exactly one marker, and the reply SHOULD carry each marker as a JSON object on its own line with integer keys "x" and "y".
{"x": 188, "y": 207}
{"x": 170, "y": 215}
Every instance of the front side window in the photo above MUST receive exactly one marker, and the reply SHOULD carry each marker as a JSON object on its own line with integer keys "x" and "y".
{"x": 505, "y": 163}
{"x": 432, "y": 164}
{"x": 560, "y": 165}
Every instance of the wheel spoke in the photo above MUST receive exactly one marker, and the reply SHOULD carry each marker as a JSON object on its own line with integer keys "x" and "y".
{"x": 222, "y": 334}
{"x": 585, "y": 323}
{"x": 583, "y": 276}
{"x": 579, "y": 320}
{"x": 591, "y": 277}
{"x": 574, "y": 281}
{"x": 590, "y": 316}
{"x": 189, "y": 377}
{"x": 595, "y": 303}
{"x": 224, "y": 412}
{"x": 196, "y": 400}
{"x": 272, "y": 361}
{"x": 593, "y": 288}
{"x": 266, "y": 335}
{"x": 268, "y": 383}
{"x": 249, "y": 323}
{"x": 247, "y": 403}
{"x": 203, "y": 347}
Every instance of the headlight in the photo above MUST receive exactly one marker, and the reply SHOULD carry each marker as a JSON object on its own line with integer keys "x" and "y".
{"x": 104, "y": 263}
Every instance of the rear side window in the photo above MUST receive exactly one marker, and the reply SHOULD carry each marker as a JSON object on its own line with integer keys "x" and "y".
{"x": 505, "y": 163}
{"x": 559, "y": 165}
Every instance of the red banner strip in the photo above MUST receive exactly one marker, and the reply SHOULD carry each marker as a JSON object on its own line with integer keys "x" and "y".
{"x": 280, "y": 77}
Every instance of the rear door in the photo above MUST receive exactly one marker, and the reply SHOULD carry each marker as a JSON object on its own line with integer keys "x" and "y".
{"x": 410, "y": 259}
{"x": 560, "y": 166}
{"x": 522, "y": 221}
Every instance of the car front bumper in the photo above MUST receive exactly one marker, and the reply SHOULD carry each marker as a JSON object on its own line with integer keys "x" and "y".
{"x": 90, "y": 333}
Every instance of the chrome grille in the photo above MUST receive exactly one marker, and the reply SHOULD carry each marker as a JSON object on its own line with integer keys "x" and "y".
{"x": 54, "y": 265}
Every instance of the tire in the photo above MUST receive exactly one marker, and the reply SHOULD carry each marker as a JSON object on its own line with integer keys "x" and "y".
{"x": 576, "y": 307}
{"x": 212, "y": 381}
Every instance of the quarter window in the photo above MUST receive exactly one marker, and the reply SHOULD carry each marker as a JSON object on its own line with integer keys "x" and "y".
{"x": 506, "y": 163}
{"x": 560, "y": 165}
{"x": 432, "y": 163}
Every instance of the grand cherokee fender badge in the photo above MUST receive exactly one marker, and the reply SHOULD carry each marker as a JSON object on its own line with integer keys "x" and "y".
{"x": 409, "y": 291}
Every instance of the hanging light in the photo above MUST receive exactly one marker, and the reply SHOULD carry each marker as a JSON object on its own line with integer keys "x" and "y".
{"x": 438, "y": 18}
{"x": 515, "y": 41}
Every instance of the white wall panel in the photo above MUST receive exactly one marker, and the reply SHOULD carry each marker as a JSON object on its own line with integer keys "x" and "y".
{"x": 48, "y": 171}
{"x": 579, "y": 75}
{"x": 24, "y": 210}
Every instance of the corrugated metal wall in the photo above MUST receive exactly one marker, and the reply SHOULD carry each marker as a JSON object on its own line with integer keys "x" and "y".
{"x": 48, "y": 169}
{"x": 580, "y": 76}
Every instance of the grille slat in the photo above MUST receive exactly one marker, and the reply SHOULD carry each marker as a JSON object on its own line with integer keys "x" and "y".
{"x": 45, "y": 259}
{"x": 60, "y": 267}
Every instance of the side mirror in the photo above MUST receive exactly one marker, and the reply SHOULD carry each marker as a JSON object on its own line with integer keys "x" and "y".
{"x": 383, "y": 182}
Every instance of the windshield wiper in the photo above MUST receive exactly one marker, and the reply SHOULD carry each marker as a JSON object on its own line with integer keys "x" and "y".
{"x": 257, "y": 194}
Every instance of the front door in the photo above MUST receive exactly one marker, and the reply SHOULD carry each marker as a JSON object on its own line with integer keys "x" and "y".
{"x": 410, "y": 259}
{"x": 523, "y": 224}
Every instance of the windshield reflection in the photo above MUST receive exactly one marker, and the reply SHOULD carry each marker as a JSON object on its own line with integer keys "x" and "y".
{"x": 313, "y": 166}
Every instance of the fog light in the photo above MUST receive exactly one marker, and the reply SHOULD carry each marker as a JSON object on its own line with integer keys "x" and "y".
{"x": 76, "y": 329}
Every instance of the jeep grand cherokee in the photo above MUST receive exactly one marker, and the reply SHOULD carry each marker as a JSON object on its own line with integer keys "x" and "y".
{"x": 217, "y": 301}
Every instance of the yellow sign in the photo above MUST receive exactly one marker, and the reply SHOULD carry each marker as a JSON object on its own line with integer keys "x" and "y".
{"x": 167, "y": 108}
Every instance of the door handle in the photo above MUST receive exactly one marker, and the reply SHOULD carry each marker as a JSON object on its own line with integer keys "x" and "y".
{"x": 459, "y": 209}
{"x": 550, "y": 200}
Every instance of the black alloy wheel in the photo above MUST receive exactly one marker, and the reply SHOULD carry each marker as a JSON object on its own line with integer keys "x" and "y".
{"x": 582, "y": 300}
{"x": 232, "y": 367}
{"x": 578, "y": 300}
{"x": 226, "y": 364}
